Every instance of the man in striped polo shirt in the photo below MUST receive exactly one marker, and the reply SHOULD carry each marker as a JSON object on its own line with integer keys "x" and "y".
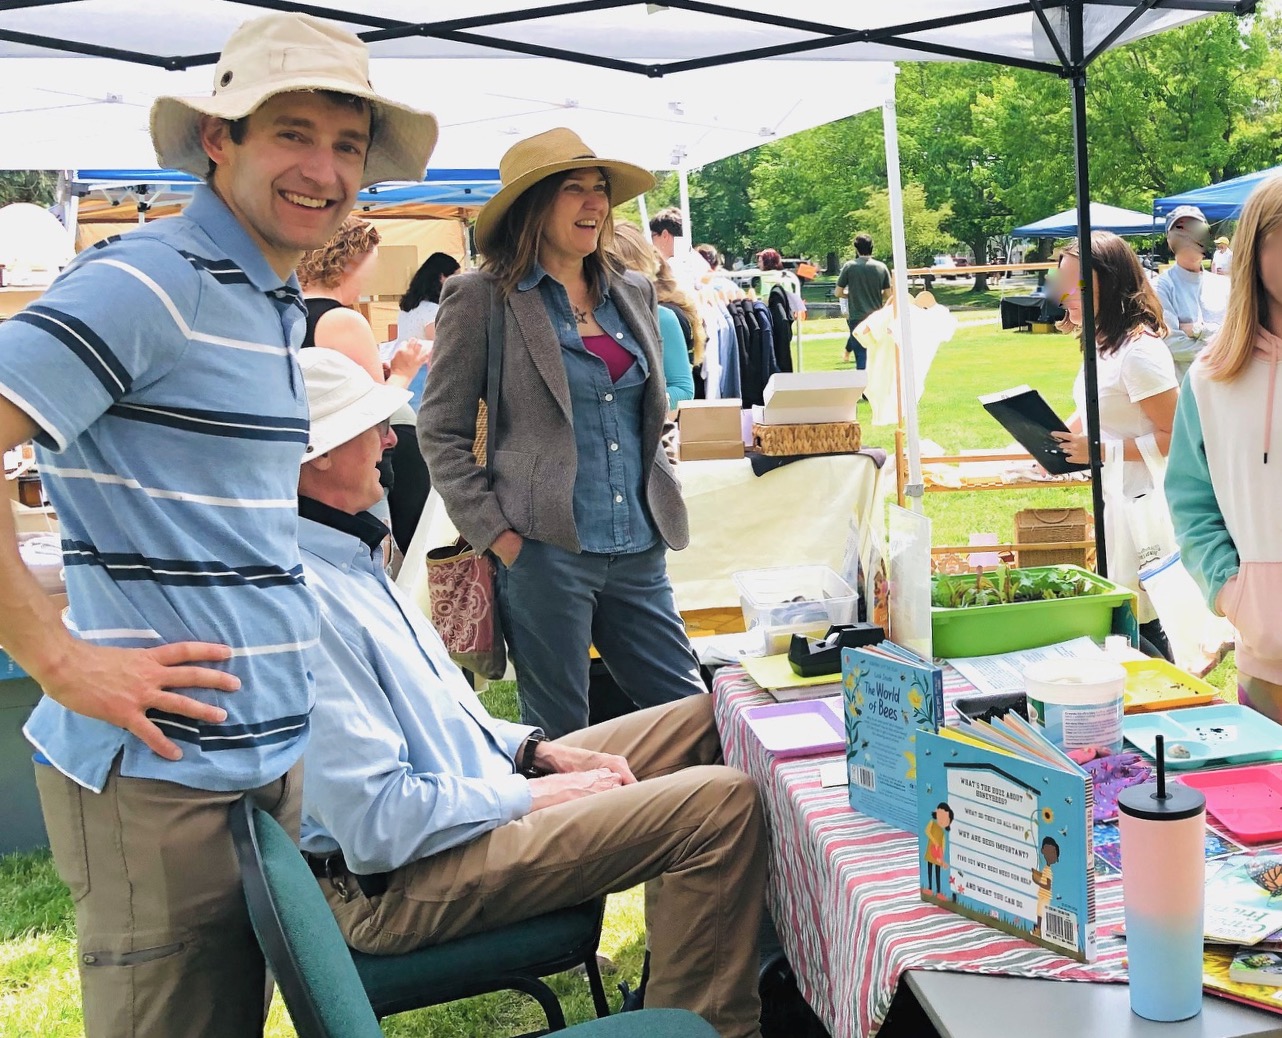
{"x": 158, "y": 376}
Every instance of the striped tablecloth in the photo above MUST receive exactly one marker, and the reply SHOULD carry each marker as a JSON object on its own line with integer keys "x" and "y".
{"x": 844, "y": 889}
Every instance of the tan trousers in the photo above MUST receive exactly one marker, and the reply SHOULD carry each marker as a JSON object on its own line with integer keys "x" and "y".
{"x": 165, "y": 943}
{"x": 696, "y": 824}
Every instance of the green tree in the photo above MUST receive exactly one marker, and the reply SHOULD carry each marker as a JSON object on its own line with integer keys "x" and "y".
{"x": 28, "y": 185}
{"x": 805, "y": 187}
{"x": 923, "y": 230}
{"x": 945, "y": 149}
{"x": 1186, "y": 108}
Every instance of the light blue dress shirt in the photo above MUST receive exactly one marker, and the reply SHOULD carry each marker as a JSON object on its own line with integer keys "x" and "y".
{"x": 403, "y": 761}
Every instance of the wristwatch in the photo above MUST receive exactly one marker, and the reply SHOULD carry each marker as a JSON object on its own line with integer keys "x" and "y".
{"x": 525, "y": 756}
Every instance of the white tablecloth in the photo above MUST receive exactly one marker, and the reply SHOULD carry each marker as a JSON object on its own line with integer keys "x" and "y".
{"x": 798, "y": 514}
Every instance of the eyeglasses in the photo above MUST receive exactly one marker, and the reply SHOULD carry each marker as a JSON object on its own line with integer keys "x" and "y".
{"x": 384, "y": 427}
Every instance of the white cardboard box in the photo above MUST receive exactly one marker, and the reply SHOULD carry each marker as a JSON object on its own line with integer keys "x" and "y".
{"x": 811, "y": 397}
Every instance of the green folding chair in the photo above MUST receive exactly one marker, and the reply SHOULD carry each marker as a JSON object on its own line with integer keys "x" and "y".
{"x": 333, "y": 992}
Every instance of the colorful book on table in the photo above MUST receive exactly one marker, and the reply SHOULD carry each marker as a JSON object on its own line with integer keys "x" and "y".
{"x": 1243, "y": 902}
{"x": 891, "y": 695}
{"x": 1004, "y": 819}
{"x": 1216, "y": 965}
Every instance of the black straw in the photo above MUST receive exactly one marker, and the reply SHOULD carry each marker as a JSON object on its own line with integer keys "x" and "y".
{"x": 1160, "y": 754}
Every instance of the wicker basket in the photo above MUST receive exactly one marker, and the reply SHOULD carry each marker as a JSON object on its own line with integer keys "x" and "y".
{"x": 1056, "y": 528}
{"x": 830, "y": 438}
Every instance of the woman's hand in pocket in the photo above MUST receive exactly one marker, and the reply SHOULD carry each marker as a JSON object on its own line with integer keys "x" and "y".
{"x": 507, "y": 546}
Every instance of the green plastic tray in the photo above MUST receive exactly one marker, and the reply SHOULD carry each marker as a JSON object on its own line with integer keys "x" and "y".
{"x": 986, "y": 630}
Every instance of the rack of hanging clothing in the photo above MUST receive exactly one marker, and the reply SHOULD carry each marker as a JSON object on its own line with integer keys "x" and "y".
{"x": 749, "y": 339}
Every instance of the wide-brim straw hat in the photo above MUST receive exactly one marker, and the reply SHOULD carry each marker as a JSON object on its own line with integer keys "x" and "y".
{"x": 282, "y": 53}
{"x": 554, "y": 151}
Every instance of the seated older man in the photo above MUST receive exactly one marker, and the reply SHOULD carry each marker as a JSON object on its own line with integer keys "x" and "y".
{"x": 426, "y": 818}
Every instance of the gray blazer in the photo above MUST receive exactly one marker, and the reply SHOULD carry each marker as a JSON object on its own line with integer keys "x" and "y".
{"x": 535, "y": 459}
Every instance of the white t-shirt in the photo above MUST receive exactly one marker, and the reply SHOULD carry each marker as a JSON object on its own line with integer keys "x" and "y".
{"x": 1220, "y": 261}
{"x": 410, "y": 325}
{"x": 1138, "y": 369}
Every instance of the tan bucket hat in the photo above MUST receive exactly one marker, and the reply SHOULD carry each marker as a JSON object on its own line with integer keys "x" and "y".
{"x": 553, "y": 151}
{"x": 279, "y": 53}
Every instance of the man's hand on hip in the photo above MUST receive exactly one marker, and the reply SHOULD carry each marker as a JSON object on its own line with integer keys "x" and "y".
{"x": 550, "y": 790}
{"x": 119, "y": 685}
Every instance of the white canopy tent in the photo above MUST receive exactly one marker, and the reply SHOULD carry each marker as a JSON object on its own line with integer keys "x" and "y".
{"x": 604, "y": 42}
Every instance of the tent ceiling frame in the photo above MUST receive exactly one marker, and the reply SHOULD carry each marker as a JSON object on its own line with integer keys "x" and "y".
{"x": 458, "y": 30}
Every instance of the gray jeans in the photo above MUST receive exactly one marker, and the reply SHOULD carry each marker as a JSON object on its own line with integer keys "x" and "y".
{"x": 555, "y": 604}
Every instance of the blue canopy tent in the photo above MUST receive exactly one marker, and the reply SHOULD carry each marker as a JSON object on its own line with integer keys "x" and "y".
{"x": 1222, "y": 201}
{"x": 150, "y": 188}
{"x": 1125, "y": 222}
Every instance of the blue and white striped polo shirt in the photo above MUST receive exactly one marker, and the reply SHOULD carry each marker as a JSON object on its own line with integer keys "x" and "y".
{"x": 161, "y": 368}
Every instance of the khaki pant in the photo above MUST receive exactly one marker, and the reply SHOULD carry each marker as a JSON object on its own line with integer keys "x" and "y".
{"x": 165, "y": 944}
{"x": 697, "y": 825}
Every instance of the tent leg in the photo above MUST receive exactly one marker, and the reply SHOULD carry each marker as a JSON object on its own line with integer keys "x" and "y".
{"x": 683, "y": 186}
{"x": 914, "y": 489}
{"x": 645, "y": 215}
{"x": 1082, "y": 169}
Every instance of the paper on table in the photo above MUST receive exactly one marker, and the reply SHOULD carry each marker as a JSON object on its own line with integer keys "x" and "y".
{"x": 771, "y": 672}
{"x": 714, "y": 649}
{"x": 1004, "y": 672}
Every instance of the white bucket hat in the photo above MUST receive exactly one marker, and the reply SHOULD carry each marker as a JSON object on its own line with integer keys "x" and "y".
{"x": 343, "y": 399}
{"x": 280, "y": 53}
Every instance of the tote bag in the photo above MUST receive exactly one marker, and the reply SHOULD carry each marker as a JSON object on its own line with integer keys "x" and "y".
{"x": 460, "y": 580}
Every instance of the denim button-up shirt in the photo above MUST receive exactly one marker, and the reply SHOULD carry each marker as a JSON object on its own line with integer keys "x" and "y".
{"x": 610, "y": 511}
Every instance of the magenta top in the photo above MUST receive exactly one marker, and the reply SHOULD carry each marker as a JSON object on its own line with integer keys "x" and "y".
{"x": 617, "y": 359}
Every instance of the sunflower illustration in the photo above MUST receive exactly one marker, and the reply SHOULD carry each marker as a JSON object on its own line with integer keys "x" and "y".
{"x": 915, "y": 698}
{"x": 1048, "y": 816}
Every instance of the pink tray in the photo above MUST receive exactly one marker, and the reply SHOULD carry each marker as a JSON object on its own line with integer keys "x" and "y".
{"x": 797, "y": 729}
{"x": 1245, "y": 801}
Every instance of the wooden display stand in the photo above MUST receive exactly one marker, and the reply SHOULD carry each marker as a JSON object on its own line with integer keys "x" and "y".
{"x": 955, "y": 558}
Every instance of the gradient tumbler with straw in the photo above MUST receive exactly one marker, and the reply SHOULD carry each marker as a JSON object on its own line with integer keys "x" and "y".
{"x": 1163, "y": 833}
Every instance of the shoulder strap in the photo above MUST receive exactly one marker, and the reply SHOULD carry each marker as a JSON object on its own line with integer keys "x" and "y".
{"x": 493, "y": 375}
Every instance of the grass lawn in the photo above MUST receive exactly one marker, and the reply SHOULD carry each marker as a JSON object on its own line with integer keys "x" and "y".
{"x": 38, "y": 985}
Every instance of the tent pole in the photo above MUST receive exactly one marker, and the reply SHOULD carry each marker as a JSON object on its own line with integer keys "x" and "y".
{"x": 908, "y": 384}
{"x": 683, "y": 185}
{"x": 1082, "y": 168}
{"x": 645, "y": 215}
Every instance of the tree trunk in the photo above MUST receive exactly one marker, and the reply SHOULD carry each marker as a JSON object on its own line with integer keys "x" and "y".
{"x": 980, "y": 248}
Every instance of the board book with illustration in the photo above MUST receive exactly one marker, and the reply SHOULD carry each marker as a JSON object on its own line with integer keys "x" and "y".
{"x": 1004, "y": 823}
{"x": 1243, "y": 903}
{"x": 891, "y": 694}
{"x": 1029, "y": 418}
{"x": 1217, "y": 964}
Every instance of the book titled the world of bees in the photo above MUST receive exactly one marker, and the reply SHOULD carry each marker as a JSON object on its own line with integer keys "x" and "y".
{"x": 890, "y": 695}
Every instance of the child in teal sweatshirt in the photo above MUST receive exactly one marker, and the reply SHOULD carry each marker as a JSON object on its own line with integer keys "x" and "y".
{"x": 1225, "y": 496}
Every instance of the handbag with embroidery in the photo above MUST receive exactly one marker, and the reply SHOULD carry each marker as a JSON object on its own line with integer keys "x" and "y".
{"x": 461, "y": 580}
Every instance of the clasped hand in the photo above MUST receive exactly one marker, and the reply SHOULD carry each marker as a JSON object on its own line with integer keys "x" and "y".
{"x": 577, "y": 773}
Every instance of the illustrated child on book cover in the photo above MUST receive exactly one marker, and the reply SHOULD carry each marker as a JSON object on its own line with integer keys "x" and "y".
{"x": 1043, "y": 878}
{"x": 937, "y": 846}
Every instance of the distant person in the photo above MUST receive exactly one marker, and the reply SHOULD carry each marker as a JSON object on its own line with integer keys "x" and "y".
{"x": 1222, "y": 257}
{"x": 417, "y": 319}
{"x": 865, "y": 282}
{"x": 1181, "y": 288}
{"x": 1136, "y": 393}
{"x": 689, "y": 267}
{"x": 631, "y": 251}
{"x": 711, "y": 255}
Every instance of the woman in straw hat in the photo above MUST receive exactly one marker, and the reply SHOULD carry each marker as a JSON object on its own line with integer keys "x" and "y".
{"x": 584, "y": 501}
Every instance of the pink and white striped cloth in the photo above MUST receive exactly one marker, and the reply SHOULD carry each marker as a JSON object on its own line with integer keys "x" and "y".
{"x": 844, "y": 888}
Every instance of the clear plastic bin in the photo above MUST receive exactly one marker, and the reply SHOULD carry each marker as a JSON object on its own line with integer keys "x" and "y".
{"x": 795, "y": 596}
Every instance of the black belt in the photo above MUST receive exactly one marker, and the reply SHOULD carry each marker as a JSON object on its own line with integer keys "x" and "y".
{"x": 333, "y": 868}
